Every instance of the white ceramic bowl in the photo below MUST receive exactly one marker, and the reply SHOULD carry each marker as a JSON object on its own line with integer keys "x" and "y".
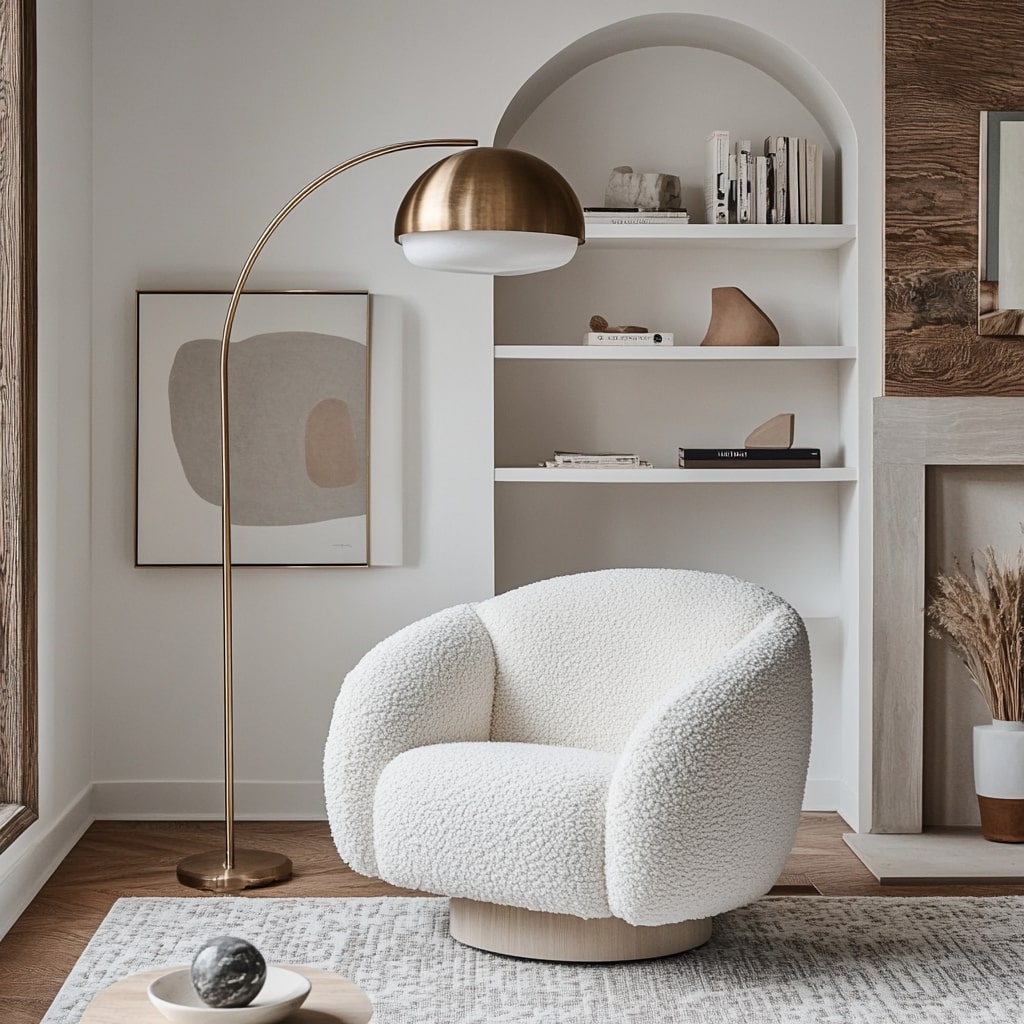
{"x": 174, "y": 996}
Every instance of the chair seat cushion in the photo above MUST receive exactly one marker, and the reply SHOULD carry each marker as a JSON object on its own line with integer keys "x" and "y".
{"x": 517, "y": 824}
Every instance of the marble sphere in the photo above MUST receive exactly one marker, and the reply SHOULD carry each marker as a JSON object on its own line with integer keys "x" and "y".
{"x": 228, "y": 972}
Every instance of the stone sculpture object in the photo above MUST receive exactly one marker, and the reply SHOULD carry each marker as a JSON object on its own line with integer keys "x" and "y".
{"x": 647, "y": 190}
{"x": 228, "y": 972}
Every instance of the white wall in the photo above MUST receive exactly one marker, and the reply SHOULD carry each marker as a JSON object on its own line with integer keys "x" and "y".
{"x": 65, "y": 200}
{"x": 206, "y": 118}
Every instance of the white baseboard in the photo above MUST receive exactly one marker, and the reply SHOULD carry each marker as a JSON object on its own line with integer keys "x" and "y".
{"x": 191, "y": 801}
{"x": 821, "y": 795}
{"x": 36, "y": 854}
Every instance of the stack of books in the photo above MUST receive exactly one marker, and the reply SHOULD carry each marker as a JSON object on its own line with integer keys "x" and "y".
{"x": 633, "y": 215}
{"x": 782, "y": 186}
{"x": 750, "y": 458}
{"x": 596, "y": 460}
{"x": 663, "y": 338}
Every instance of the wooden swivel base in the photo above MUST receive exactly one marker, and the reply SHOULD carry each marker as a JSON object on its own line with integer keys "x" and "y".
{"x": 536, "y": 935}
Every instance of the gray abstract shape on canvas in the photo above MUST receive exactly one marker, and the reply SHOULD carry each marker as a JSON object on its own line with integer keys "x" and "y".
{"x": 297, "y": 404}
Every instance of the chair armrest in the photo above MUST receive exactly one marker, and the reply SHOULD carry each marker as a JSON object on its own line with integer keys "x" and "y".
{"x": 432, "y": 682}
{"x": 705, "y": 800}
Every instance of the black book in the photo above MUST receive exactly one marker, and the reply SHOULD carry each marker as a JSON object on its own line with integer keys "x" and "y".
{"x": 753, "y": 458}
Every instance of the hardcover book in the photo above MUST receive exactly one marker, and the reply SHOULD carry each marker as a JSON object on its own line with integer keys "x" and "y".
{"x": 677, "y": 217}
{"x": 716, "y": 178}
{"x": 750, "y": 458}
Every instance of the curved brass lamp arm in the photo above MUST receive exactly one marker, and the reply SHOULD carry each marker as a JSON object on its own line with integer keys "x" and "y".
{"x": 229, "y": 758}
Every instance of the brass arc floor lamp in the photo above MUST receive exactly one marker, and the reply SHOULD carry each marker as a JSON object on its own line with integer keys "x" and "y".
{"x": 482, "y": 210}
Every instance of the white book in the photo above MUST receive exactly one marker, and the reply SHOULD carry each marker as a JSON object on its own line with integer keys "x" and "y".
{"x": 732, "y": 188}
{"x": 802, "y": 173}
{"x": 616, "y": 338}
{"x": 812, "y": 163}
{"x": 759, "y": 191}
{"x": 743, "y": 174}
{"x": 637, "y": 218}
{"x": 819, "y": 159}
{"x": 793, "y": 178}
{"x": 716, "y": 178}
{"x": 775, "y": 148}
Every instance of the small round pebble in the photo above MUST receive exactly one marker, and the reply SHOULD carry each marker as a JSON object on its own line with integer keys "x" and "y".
{"x": 228, "y": 972}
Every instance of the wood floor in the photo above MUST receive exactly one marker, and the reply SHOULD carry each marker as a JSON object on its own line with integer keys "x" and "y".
{"x": 138, "y": 858}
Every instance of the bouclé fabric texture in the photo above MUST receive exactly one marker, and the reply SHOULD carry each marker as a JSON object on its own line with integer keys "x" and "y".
{"x": 629, "y": 742}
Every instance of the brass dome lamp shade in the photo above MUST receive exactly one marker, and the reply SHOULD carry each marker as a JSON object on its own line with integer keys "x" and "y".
{"x": 488, "y": 211}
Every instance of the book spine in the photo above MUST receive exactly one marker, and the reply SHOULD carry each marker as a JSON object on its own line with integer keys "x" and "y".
{"x": 776, "y": 144}
{"x": 597, "y": 460}
{"x": 611, "y": 338}
{"x": 636, "y": 218}
{"x": 749, "y": 454}
{"x": 760, "y": 190}
{"x": 802, "y": 173}
{"x": 814, "y": 180}
{"x": 793, "y": 178}
{"x": 716, "y": 178}
{"x": 743, "y": 173}
{"x": 770, "y": 179}
{"x": 653, "y": 211}
{"x": 741, "y": 464}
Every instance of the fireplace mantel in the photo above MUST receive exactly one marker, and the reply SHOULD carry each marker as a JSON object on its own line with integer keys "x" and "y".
{"x": 911, "y": 434}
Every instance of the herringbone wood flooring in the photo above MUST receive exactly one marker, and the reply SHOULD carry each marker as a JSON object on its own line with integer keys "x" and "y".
{"x": 138, "y": 858}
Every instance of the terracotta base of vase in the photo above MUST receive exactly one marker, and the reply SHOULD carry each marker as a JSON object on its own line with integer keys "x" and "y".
{"x": 1002, "y": 821}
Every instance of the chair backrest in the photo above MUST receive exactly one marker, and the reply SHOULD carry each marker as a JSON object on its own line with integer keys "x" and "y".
{"x": 580, "y": 658}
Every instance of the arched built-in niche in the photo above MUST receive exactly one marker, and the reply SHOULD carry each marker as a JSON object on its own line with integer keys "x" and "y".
{"x": 784, "y": 66}
{"x": 646, "y": 92}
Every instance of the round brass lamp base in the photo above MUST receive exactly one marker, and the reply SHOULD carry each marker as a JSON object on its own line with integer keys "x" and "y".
{"x": 252, "y": 869}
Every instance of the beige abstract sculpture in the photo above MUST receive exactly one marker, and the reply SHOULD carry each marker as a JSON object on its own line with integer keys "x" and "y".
{"x": 774, "y": 433}
{"x": 600, "y": 325}
{"x": 737, "y": 320}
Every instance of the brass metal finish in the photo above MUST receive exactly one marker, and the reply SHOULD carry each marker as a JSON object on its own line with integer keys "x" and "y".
{"x": 222, "y": 872}
{"x": 251, "y": 869}
{"x": 471, "y": 191}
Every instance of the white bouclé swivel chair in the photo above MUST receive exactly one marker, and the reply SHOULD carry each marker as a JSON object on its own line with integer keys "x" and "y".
{"x": 592, "y": 766}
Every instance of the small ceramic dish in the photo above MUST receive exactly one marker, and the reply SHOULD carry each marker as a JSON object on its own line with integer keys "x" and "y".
{"x": 283, "y": 991}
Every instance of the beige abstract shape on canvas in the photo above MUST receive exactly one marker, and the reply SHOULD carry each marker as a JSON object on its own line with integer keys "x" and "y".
{"x": 298, "y": 426}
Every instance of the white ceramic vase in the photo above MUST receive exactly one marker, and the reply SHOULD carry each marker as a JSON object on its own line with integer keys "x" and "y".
{"x": 999, "y": 780}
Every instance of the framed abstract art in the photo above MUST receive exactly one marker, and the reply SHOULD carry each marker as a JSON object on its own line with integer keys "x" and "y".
{"x": 299, "y": 421}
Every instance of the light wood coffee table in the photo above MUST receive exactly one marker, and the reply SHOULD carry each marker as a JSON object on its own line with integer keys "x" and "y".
{"x": 332, "y": 999}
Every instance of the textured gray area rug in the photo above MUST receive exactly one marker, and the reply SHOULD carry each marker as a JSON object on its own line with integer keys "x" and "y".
{"x": 798, "y": 960}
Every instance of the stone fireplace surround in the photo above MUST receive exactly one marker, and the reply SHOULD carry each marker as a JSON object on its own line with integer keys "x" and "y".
{"x": 910, "y": 435}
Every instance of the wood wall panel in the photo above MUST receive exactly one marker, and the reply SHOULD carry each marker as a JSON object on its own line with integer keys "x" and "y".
{"x": 945, "y": 62}
{"x": 18, "y": 303}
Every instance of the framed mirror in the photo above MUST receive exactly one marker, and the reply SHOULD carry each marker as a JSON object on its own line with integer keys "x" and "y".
{"x": 1001, "y": 224}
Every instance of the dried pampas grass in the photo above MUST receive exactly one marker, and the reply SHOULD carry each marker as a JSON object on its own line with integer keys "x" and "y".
{"x": 982, "y": 616}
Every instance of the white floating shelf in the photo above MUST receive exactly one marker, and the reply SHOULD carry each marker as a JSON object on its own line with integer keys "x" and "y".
{"x": 677, "y": 352}
{"x": 539, "y": 474}
{"x": 742, "y": 236}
